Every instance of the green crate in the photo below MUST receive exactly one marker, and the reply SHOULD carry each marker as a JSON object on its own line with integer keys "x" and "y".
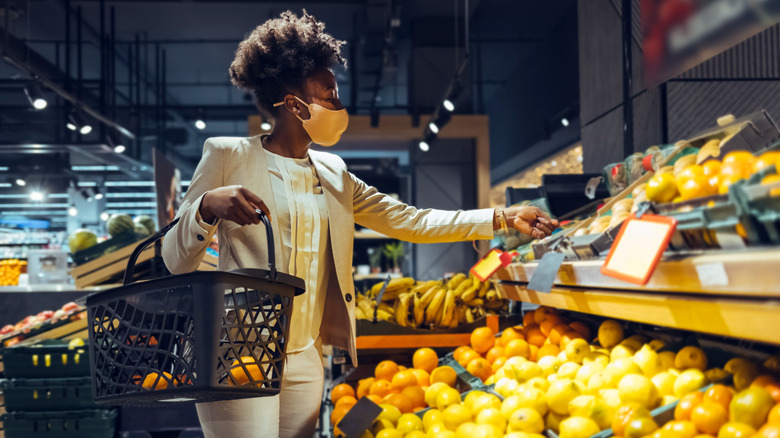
{"x": 98, "y": 423}
{"x": 45, "y": 361}
{"x": 48, "y": 394}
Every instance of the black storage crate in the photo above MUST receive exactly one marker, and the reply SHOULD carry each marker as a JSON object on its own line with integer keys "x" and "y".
{"x": 96, "y": 423}
{"x": 47, "y": 394}
{"x": 45, "y": 361}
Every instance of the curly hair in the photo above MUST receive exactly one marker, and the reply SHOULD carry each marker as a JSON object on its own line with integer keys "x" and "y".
{"x": 280, "y": 54}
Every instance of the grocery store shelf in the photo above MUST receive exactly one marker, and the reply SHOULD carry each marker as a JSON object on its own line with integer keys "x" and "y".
{"x": 754, "y": 320}
{"x": 376, "y": 276}
{"x": 370, "y": 234}
{"x": 751, "y": 272}
{"x": 433, "y": 340}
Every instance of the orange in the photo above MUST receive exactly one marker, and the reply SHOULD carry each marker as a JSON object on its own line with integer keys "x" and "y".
{"x": 467, "y": 357}
{"x": 480, "y": 368}
{"x": 549, "y": 322}
{"x": 402, "y": 379}
{"x": 581, "y": 328}
{"x": 338, "y": 413}
{"x": 708, "y": 417}
{"x": 528, "y": 328}
{"x": 534, "y": 352}
{"x": 402, "y": 402}
{"x": 768, "y": 431}
{"x": 239, "y": 371}
{"x": 535, "y": 337}
{"x": 482, "y": 339}
{"x": 499, "y": 363}
{"x": 416, "y": 395}
{"x": 680, "y": 429}
{"x": 774, "y": 391}
{"x": 458, "y": 351}
{"x": 507, "y": 336}
{"x": 541, "y": 313}
{"x": 774, "y": 415}
{"x": 380, "y": 388}
{"x": 557, "y": 333}
{"x": 374, "y": 398}
{"x": 624, "y": 415}
{"x": 767, "y": 159}
{"x": 341, "y": 390}
{"x": 568, "y": 337}
{"x": 720, "y": 394}
{"x": 686, "y": 405}
{"x": 739, "y": 157}
{"x": 763, "y": 380}
{"x": 548, "y": 350}
{"x": 696, "y": 187}
{"x": 711, "y": 167}
{"x": 151, "y": 380}
{"x": 528, "y": 319}
{"x": 363, "y": 386}
{"x": 402, "y": 368}
{"x": 346, "y": 400}
{"x": 385, "y": 370}
{"x": 444, "y": 374}
{"x": 425, "y": 359}
{"x": 518, "y": 347}
{"x": 494, "y": 353}
{"x": 725, "y": 181}
{"x": 422, "y": 376}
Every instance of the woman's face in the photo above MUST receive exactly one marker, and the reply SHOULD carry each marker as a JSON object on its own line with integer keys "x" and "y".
{"x": 321, "y": 88}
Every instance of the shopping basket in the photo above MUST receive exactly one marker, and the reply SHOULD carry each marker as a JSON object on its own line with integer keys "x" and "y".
{"x": 201, "y": 336}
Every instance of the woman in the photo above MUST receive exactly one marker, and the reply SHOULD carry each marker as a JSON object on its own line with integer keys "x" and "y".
{"x": 313, "y": 203}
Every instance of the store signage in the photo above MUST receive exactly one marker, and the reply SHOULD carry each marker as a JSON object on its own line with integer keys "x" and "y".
{"x": 638, "y": 248}
{"x": 359, "y": 418}
{"x": 679, "y": 34}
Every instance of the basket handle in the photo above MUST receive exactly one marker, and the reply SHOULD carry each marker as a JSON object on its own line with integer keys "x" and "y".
{"x": 130, "y": 270}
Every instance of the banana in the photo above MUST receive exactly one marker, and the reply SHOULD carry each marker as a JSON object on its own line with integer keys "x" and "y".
{"x": 386, "y": 307}
{"x": 366, "y": 305}
{"x": 462, "y": 287}
{"x": 469, "y": 315}
{"x": 426, "y": 298}
{"x": 471, "y": 292}
{"x": 360, "y": 314}
{"x": 491, "y": 295}
{"x": 476, "y": 302}
{"x": 448, "y": 312}
{"x": 433, "y": 309}
{"x": 425, "y": 286}
{"x": 461, "y": 315}
{"x": 493, "y": 305}
{"x": 402, "y": 309}
{"x": 419, "y": 311}
{"x": 385, "y": 316}
{"x": 456, "y": 280}
{"x": 483, "y": 290}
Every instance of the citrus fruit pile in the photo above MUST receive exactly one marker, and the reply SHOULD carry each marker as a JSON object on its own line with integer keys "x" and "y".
{"x": 10, "y": 269}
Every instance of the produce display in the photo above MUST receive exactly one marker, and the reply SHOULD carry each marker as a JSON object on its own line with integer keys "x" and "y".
{"x": 431, "y": 304}
{"x": 10, "y": 269}
{"x": 120, "y": 223}
{"x": 559, "y": 375}
{"x": 12, "y": 334}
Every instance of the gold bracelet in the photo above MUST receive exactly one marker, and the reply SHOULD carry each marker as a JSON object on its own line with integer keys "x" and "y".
{"x": 502, "y": 219}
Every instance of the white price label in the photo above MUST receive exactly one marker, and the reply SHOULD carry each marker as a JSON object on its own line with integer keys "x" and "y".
{"x": 712, "y": 274}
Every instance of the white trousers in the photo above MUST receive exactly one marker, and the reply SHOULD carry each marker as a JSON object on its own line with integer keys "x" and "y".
{"x": 293, "y": 413}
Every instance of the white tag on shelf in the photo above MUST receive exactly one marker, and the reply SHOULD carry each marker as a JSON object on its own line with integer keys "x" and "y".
{"x": 712, "y": 274}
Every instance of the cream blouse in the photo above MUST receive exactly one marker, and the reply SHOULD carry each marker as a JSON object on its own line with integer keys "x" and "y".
{"x": 303, "y": 224}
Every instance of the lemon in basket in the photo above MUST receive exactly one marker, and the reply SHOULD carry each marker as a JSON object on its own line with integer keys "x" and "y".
{"x": 240, "y": 367}
{"x": 154, "y": 380}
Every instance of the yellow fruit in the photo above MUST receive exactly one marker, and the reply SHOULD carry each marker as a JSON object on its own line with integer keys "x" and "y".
{"x": 618, "y": 369}
{"x": 592, "y": 407}
{"x": 409, "y": 423}
{"x": 587, "y": 371}
{"x": 622, "y": 351}
{"x": 611, "y": 398}
{"x": 656, "y": 344}
{"x": 504, "y": 387}
{"x": 744, "y": 372}
{"x": 640, "y": 426}
{"x": 691, "y": 357}
{"x": 576, "y": 350}
{"x": 561, "y": 392}
{"x": 568, "y": 370}
{"x": 466, "y": 430}
{"x": 596, "y": 356}
{"x": 534, "y": 398}
{"x": 578, "y": 427}
{"x": 667, "y": 359}
{"x": 390, "y": 433}
{"x": 472, "y": 396}
{"x": 487, "y": 431}
{"x": 444, "y": 374}
{"x": 716, "y": 374}
{"x": 483, "y": 402}
{"x": 734, "y": 429}
{"x": 688, "y": 381}
{"x": 379, "y": 425}
{"x": 439, "y": 430}
{"x": 431, "y": 417}
{"x": 751, "y": 407}
{"x": 664, "y": 383}
{"x": 636, "y": 388}
{"x": 447, "y": 397}
{"x": 610, "y": 333}
{"x": 433, "y": 391}
{"x": 549, "y": 365}
{"x": 492, "y": 416}
{"x": 523, "y": 371}
{"x": 661, "y": 188}
{"x": 598, "y": 382}
{"x": 772, "y": 363}
{"x": 525, "y": 420}
{"x": 668, "y": 399}
{"x": 412, "y": 434}
{"x": 455, "y": 415}
{"x": 648, "y": 360}
{"x": 389, "y": 413}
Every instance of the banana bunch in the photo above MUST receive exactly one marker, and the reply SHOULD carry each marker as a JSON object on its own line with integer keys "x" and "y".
{"x": 432, "y": 304}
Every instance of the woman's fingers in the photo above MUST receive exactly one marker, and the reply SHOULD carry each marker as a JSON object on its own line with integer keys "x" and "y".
{"x": 539, "y": 225}
{"x": 256, "y": 203}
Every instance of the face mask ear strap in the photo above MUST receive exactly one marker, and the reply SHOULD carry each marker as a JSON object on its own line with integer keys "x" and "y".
{"x": 296, "y": 115}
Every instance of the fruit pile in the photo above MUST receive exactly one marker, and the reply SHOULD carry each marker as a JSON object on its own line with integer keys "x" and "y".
{"x": 34, "y": 321}
{"x": 431, "y": 304}
{"x": 553, "y": 375}
{"x": 10, "y": 269}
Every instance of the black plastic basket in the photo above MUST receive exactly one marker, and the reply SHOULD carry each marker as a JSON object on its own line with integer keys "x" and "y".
{"x": 45, "y": 361}
{"x": 202, "y": 336}
{"x": 96, "y": 423}
{"x": 47, "y": 394}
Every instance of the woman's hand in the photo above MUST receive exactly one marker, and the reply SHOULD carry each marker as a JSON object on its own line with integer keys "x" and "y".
{"x": 233, "y": 203}
{"x": 527, "y": 220}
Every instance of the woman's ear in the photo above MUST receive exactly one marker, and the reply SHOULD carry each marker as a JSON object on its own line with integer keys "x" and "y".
{"x": 292, "y": 104}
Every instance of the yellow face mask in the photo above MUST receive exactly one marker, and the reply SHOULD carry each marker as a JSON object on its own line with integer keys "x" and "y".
{"x": 324, "y": 126}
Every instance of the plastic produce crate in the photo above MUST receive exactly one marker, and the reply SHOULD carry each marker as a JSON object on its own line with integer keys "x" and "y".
{"x": 95, "y": 423}
{"x": 48, "y": 394}
{"x": 45, "y": 361}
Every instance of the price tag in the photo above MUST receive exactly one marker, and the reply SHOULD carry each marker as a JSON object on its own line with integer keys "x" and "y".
{"x": 489, "y": 264}
{"x": 359, "y": 418}
{"x": 638, "y": 248}
{"x": 712, "y": 274}
{"x": 546, "y": 271}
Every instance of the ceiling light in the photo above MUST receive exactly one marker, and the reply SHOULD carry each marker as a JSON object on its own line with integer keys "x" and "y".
{"x": 200, "y": 124}
{"x": 104, "y": 216}
{"x": 35, "y": 95}
{"x": 115, "y": 141}
{"x": 424, "y": 146}
{"x": 98, "y": 196}
{"x": 73, "y": 211}
{"x": 36, "y": 195}
{"x": 77, "y": 122}
{"x": 432, "y": 126}
{"x": 448, "y": 105}
{"x": 119, "y": 148}
{"x": 265, "y": 126}
{"x": 565, "y": 121}
{"x": 20, "y": 182}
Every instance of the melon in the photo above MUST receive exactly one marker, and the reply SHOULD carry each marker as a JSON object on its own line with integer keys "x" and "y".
{"x": 120, "y": 223}
{"x": 81, "y": 239}
{"x": 141, "y": 231}
{"x": 147, "y": 222}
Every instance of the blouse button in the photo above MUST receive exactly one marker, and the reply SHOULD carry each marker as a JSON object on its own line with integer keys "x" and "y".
{"x": 348, "y": 297}
{"x": 200, "y": 237}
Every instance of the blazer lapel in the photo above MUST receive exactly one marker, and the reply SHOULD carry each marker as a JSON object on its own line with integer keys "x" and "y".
{"x": 260, "y": 184}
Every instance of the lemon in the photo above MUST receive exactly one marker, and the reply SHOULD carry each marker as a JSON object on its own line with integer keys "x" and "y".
{"x": 487, "y": 431}
{"x": 661, "y": 188}
{"x": 483, "y": 402}
{"x": 622, "y": 351}
{"x": 576, "y": 350}
{"x": 734, "y": 429}
{"x": 447, "y": 397}
{"x": 431, "y": 417}
{"x": 75, "y": 343}
{"x": 412, "y": 434}
{"x": 688, "y": 381}
{"x": 466, "y": 430}
{"x": 552, "y": 421}
{"x": 592, "y": 407}
{"x": 640, "y": 426}
{"x": 635, "y": 341}
{"x": 408, "y": 423}
{"x": 549, "y": 365}
{"x": 530, "y": 397}
{"x": 433, "y": 391}
{"x": 390, "y": 433}
{"x": 636, "y": 388}
{"x": 540, "y": 383}
{"x": 596, "y": 356}
{"x": 492, "y": 416}
{"x": 562, "y": 357}
{"x": 664, "y": 383}
{"x": 691, "y": 357}
{"x": 587, "y": 371}
{"x": 522, "y": 435}
{"x": 504, "y": 386}
{"x": 561, "y": 392}
{"x": 455, "y": 415}
{"x": 668, "y": 399}
{"x": 667, "y": 359}
{"x": 524, "y": 371}
{"x": 578, "y": 427}
{"x": 616, "y": 370}
{"x": 439, "y": 430}
{"x": 610, "y": 333}
{"x": 611, "y": 398}
{"x": 389, "y": 413}
{"x": 526, "y": 420}
{"x": 751, "y": 407}
{"x": 648, "y": 360}
{"x": 597, "y": 382}
{"x": 379, "y": 425}
{"x": 568, "y": 370}
{"x": 472, "y": 396}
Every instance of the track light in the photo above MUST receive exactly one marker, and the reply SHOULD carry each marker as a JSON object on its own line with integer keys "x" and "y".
{"x": 448, "y": 105}
{"x": 77, "y": 122}
{"x": 35, "y": 96}
{"x": 98, "y": 196}
{"x": 73, "y": 211}
{"x": 20, "y": 182}
{"x": 200, "y": 124}
{"x": 433, "y": 127}
{"x": 565, "y": 121}
{"x": 104, "y": 216}
{"x": 36, "y": 195}
{"x": 424, "y": 146}
{"x": 115, "y": 142}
